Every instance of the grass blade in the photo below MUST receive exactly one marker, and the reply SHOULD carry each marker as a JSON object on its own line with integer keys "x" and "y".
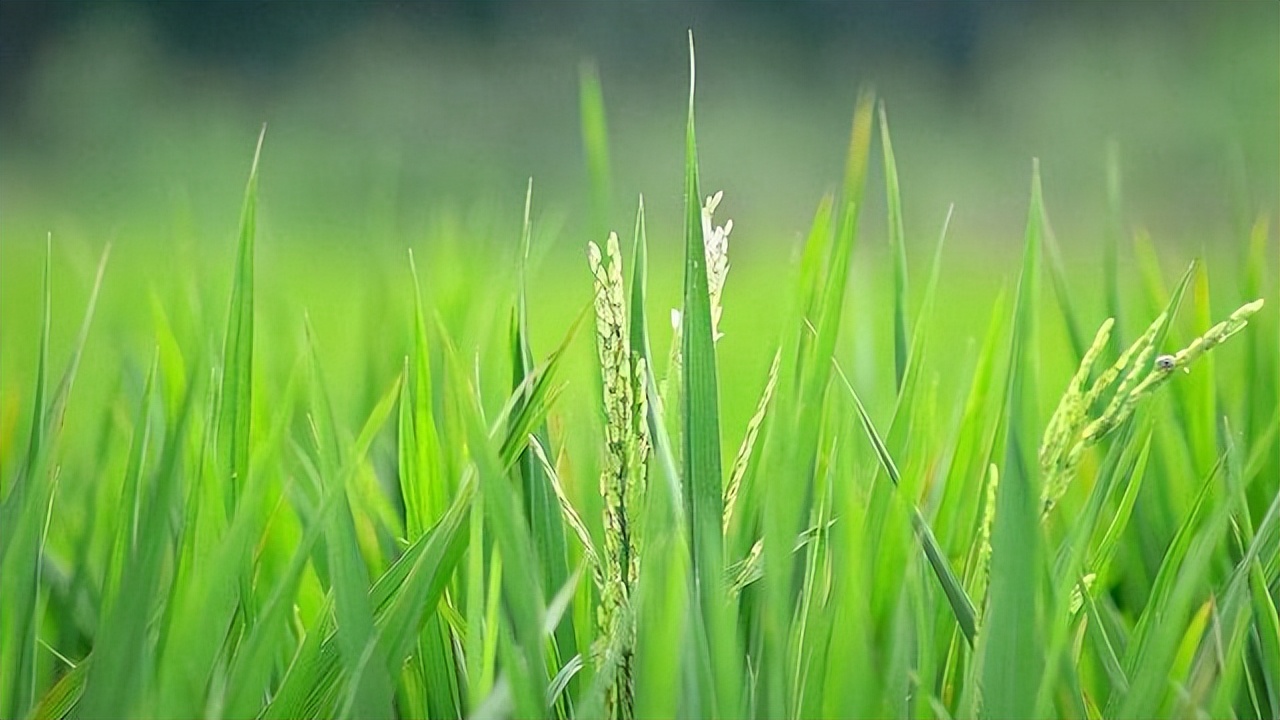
{"x": 595, "y": 144}
{"x": 1267, "y": 627}
{"x": 522, "y": 590}
{"x": 898, "y": 248}
{"x": 17, "y": 690}
{"x": 236, "y": 393}
{"x": 423, "y": 485}
{"x": 1058, "y": 277}
{"x": 541, "y": 506}
{"x": 26, "y": 511}
{"x": 704, "y": 506}
{"x": 961, "y": 606}
{"x": 1012, "y": 656}
{"x": 39, "y": 412}
{"x": 700, "y": 414}
{"x": 369, "y": 691}
{"x": 123, "y": 648}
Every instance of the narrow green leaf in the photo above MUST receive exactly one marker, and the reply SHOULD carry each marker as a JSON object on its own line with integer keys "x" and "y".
{"x": 236, "y": 393}
{"x": 417, "y": 595}
{"x": 126, "y": 539}
{"x": 904, "y": 410}
{"x": 522, "y": 589}
{"x": 1111, "y": 244}
{"x": 1062, "y": 290}
{"x": 1267, "y": 627}
{"x": 898, "y": 248}
{"x": 788, "y": 506}
{"x": 316, "y": 677}
{"x": 423, "y": 486}
{"x": 812, "y": 279}
{"x": 961, "y": 605}
{"x": 123, "y": 650}
{"x": 1174, "y": 594}
{"x": 703, "y": 476}
{"x": 595, "y": 144}
{"x": 1101, "y": 559}
{"x": 1012, "y": 660}
{"x": 703, "y": 501}
{"x": 39, "y": 403}
{"x": 742, "y": 460}
{"x": 369, "y": 691}
{"x": 541, "y": 507}
{"x": 1105, "y": 647}
{"x": 27, "y": 510}
{"x": 433, "y": 664}
{"x": 211, "y": 612}
{"x": 664, "y": 455}
{"x": 251, "y": 669}
{"x": 975, "y": 439}
{"x": 27, "y": 507}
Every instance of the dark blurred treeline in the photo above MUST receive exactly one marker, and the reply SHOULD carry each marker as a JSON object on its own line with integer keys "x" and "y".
{"x": 265, "y": 35}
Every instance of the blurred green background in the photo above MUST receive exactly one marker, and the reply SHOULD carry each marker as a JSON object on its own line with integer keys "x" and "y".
{"x": 395, "y": 125}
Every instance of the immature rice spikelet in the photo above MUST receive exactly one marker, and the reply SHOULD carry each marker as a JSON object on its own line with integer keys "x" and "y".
{"x": 1070, "y": 430}
{"x": 1056, "y": 462}
{"x": 1127, "y": 398}
{"x": 1107, "y": 379}
{"x": 622, "y": 480}
{"x": 1212, "y": 338}
{"x": 1077, "y": 592}
{"x": 615, "y": 368}
{"x": 983, "y": 564}
{"x": 743, "y": 459}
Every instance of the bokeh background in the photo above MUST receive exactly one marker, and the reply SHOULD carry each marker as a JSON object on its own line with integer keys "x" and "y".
{"x": 416, "y": 124}
{"x": 110, "y": 110}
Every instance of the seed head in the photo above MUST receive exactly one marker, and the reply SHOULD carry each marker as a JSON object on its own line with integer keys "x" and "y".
{"x": 715, "y": 242}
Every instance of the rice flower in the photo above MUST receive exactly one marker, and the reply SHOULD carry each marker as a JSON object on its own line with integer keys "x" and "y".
{"x": 612, "y": 344}
{"x": 622, "y": 479}
{"x": 715, "y": 243}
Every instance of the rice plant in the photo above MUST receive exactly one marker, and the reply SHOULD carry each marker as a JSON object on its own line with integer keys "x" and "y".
{"x": 438, "y": 531}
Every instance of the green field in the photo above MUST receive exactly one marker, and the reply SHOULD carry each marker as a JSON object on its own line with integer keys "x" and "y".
{"x": 495, "y": 468}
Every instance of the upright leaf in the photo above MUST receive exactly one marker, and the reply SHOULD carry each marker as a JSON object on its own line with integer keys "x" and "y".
{"x": 541, "y": 508}
{"x": 898, "y": 248}
{"x": 595, "y": 143}
{"x": 1013, "y": 655}
{"x": 704, "y": 505}
{"x": 703, "y": 477}
{"x": 236, "y": 392}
